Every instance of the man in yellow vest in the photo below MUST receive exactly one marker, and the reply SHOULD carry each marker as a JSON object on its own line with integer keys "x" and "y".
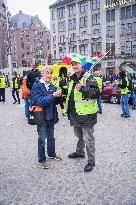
{"x": 123, "y": 84}
{"x": 82, "y": 112}
{"x": 15, "y": 88}
{"x": 100, "y": 85}
{"x": 134, "y": 96}
{"x": 2, "y": 87}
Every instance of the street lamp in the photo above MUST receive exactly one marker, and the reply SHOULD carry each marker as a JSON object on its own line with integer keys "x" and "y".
{"x": 8, "y": 40}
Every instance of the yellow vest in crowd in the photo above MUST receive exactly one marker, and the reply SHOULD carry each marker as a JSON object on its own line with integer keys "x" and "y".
{"x": 2, "y": 82}
{"x": 16, "y": 83}
{"x": 124, "y": 91}
{"x": 99, "y": 82}
{"x": 82, "y": 106}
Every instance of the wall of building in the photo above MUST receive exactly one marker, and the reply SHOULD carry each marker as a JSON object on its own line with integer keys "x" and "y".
{"x": 30, "y": 44}
{"x": 3, "y": 37}
{"x": 90, "y": 27}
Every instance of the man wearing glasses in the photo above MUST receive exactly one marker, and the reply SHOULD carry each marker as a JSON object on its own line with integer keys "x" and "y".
{"x": 82, "y": 112}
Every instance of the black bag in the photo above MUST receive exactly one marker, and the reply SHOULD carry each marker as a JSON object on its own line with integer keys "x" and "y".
{"x": 36, "y": 115}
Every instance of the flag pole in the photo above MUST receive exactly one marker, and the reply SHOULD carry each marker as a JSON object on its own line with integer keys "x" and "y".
{"x": 100, "y": 59}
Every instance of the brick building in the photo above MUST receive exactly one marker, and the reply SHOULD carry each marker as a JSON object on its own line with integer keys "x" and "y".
{"x": 30, "y": 40}
{"x": 3, "y": 36}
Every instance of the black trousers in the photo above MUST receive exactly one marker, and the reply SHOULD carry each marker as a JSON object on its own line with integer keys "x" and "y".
{"x": 2, "y": 94}
{"x": 15, "y": 91}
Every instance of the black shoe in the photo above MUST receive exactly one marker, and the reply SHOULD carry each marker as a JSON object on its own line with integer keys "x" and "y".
{"x": 89, "y": 167}
{"x": 15, "y": 102}
{"x": 75, "y": 155}
{"x": 122, "y": 115}
{"x": 100, "y": 112}
{"x": 134, "y": 107}
{"x": 126, "y": 116}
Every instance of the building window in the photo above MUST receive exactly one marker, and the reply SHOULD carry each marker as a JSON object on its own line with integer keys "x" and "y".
{"x": 83, "y": 22}
{"x": 123, "y": 29}
{"x": 128, "y": 11}
{"x": 22, "y": 45}
{"x": 128, "y": 28}
{"x": 110, "y": 15}
{"x": 53, "y": 15}
{"x": 70, "y": 24}
{"x": 110, "y": 31}
{"x": 61, "y": 13}
{"x": 133, "y": 47}
{"x": 62, "y": 26}
{"x": 123, "y": 13}
{"x": 83, "y": 49}
{"x": 74, "y": 23}
{"x": 53, "y": 28}
{"x": 72, "y": 10}
{"x": 134, "y": 10}
{"x": 110, "y": 46}
{"x": 95, "y": 4}
{"x": 83, "y": 7}
{"x": 134, "y": 28}
{"x": 122, "y": 48}
{"x": 54, "y": 40}
{"x": 96, "y": 19}
{"x": 128, "y": 47}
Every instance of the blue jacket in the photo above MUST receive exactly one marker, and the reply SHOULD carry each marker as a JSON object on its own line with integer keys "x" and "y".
{"x": 42, "y": 97}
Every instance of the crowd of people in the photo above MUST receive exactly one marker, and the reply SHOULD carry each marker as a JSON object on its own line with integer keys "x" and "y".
{"x": 82, "y": 91}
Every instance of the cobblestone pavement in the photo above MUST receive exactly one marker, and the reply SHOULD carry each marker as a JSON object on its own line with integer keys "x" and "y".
{"x": 23, "y": 182}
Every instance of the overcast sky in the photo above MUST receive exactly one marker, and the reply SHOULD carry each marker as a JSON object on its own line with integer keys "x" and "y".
{"x": 32, "y": 7}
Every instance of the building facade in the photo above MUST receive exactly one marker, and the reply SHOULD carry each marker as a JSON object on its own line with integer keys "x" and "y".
{"x": 90, "y": 27}
{"x": 30, "y": 40}
{"x": 3, "y": 36}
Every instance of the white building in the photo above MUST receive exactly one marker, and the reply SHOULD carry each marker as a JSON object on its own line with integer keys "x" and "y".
{"x": 90, "y": 27}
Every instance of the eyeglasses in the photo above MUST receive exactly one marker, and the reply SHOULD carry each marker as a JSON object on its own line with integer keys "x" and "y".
{"x": 74, "y": 63}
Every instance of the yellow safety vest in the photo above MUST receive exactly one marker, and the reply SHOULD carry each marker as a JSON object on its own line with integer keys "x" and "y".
{"x": 2, "y": 82}
{"x": 99, "y": 82}
{"x": 134, "y": 83}
{"x": 16, "y": 83}
{"x": 124, "y": 91}
{"x": 82, "y": 106}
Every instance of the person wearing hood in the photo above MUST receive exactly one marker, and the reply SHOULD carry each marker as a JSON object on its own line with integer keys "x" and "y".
{"x": 82, "y": 109}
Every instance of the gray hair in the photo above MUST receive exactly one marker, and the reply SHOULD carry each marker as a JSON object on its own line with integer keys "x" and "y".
{"x": 47, "y": 68}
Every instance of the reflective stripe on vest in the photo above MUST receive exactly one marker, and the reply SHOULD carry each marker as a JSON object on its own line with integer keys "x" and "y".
{"x": 82, "y": 106}
{"x": 134, "y": 84}
{"x": 124, "y": 91}
{"x": 99, "y": 82}
{"x": 16, "y": 83}
{"x": 2, "y": 82}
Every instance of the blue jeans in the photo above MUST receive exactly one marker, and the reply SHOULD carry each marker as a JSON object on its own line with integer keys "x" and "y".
{"x": 27, "y": 105}
{"x": 46, "y": 131}
{"x": 133, "y": 96}
{"x": 124, "y": 104}
{"x": 2, "y": 94}
{"x": 99, "y": 102}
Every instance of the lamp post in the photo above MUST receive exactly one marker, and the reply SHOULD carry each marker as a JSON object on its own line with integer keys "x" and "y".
{"x": 8, "y": 41}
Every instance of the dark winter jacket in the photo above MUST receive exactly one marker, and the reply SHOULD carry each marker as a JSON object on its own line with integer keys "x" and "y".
{"x": 31, "y": 77}
{"x": 124, "y": 82}
{"x": 42, "y": 97}
{"x": 91, "y": 90}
